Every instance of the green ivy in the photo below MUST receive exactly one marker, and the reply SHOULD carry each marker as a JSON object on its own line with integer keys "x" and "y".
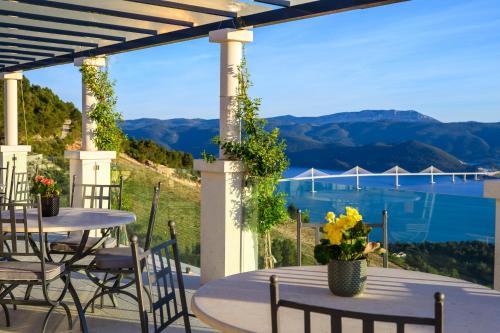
{"x": 107, "y": 134}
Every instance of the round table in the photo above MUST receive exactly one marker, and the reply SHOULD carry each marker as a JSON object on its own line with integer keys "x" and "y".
{"x": 75, "y": 219}
{"x": 240, "y": 303}
{"x": 68, "y": 220}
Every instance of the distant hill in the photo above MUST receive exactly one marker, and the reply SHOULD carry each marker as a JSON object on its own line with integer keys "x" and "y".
{"x": 413, "y": 156}
{"x": 360, "y": 116}
{"x": 350, "y": 132}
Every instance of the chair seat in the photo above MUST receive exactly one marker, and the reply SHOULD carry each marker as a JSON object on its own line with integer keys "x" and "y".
{"x": 115, "y": 258}
{"x": 28, "y": 270}
{"x": 71, "y": 243}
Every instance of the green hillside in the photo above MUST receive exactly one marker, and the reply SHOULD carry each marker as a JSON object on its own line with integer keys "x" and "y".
{"x": 45, "y": 115}
{"x": 179, "y": 202}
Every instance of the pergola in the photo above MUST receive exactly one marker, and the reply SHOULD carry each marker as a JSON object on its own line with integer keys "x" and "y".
{"x": 41, "y": 33}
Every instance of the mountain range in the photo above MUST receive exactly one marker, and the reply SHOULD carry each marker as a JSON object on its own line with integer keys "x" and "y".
{"x": 373, "y": 139}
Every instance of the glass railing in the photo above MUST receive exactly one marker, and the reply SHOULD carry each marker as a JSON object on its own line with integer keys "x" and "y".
{"x": 433, "y": 232}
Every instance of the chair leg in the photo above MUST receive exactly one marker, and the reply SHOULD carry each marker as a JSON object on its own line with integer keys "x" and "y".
{"x": 102, "y": 297}
{"x": 150, "y": 298}
{"x": 28, "y": 292}
{"x": 7, "y": 316}
{"x": 97, "y": 291}
{"x": 111, "y": 295}
{"x": 14, "y": 306}
{"x": 150, "y": 293}
{"x": 68, "y": 315}
{"x": 47, "y": 316}
{"x": 12, "y": 297}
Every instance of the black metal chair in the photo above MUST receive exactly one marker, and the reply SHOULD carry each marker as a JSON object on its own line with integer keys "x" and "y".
{"x": 368, "y": 319}
{"x": 15, "y": 273}
{"x": 19, "y": 189}
{"x": 385, "y": 236}
{"x": 117, "y": 264}
{"x": 92, "y": 196}
{"x": 4, "y": 183}
{"x": 165, "y": 310}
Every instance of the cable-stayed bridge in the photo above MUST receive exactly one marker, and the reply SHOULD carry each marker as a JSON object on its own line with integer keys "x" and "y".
{"x": 396, "y": 172}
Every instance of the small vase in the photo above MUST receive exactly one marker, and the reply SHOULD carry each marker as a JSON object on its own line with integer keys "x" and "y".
{"x": 347, "y": 278}
{"x": 50, "y": 206}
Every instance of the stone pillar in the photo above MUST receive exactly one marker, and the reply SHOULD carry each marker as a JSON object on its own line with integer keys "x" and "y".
{"x": 492, "y": 190}
{"x": 231, "y": 53}
{"x": 11, "y": 152}
{"x": 89, "y": 165}
{"x": 227, "y": 247}
{"x": 88, "y": 102}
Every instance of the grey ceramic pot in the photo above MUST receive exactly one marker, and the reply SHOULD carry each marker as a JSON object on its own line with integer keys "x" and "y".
{"x": 347, "y": 278}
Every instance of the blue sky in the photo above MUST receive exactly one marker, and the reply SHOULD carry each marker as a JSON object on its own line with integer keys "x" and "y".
{"x": 439, "y": 57}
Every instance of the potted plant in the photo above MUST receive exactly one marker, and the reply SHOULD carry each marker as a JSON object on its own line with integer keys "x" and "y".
{"x": 345, "y": 249}
{"x": 49, "y": 190}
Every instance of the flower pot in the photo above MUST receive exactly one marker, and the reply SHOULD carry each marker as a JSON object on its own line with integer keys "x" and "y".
{"x": 50, "y": 206}
{"x": 347, "y": 278}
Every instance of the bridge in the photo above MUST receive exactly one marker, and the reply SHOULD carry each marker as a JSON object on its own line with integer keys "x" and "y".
{"x": 396, "y": 171}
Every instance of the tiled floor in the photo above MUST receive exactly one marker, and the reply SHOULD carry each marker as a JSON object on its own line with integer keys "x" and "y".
{"x": 122, "y": 319}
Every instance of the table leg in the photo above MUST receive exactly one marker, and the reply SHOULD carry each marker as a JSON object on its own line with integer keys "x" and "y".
{"x": 78, "y": 304}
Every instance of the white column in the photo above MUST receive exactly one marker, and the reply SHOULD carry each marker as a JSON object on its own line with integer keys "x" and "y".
{"x": 11, "y": 148}
{"x": 492, "y": 190}
{"x": 10, "y": 107}
{"x": 231, "y": 53}
{"x": 89, "y": 165}
{"x": 227, "y": 247}
{"x": 88, "y": 103}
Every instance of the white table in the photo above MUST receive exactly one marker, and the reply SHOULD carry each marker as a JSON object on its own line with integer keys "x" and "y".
{"x": 240, "y": 303}
{"x": 76, "y": 219}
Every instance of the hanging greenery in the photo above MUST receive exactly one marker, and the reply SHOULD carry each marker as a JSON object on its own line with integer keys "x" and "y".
{"x": 107, "y": 135}
{"x": 263, "y": 153}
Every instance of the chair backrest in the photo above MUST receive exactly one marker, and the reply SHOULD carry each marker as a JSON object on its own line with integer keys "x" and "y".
{"x": 368, "y": 319}
{"x": 19, "y": 190}
{"x": 165, "y": 304}
{"x": 152, "y": 217}
{"x": 98, "y": 196}
{"x": 385, "y": 236}
{"x": 21, "y": 241}
{"x": 4, "y": 183}
{"x": 317, "y": 230}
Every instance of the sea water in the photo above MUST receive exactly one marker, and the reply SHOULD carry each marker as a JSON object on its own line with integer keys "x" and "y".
{"x": 418, "y": 210}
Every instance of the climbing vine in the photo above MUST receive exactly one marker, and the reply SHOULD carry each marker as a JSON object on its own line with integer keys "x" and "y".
{"x": 263, "y": 153}
{"x": 107, "y": 135}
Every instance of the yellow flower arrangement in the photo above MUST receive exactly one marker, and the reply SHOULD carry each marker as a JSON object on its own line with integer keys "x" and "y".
{"x": 333, "y": 232}
{"x": 335, "y": 227}
{"x": 346, "y": 238}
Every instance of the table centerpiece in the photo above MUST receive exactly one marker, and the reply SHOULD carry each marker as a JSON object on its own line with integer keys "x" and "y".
{"x": 49, "y": 190}
{"x": 345, "y": 248}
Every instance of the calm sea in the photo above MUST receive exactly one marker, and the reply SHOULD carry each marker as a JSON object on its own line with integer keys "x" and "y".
{"x": 418, "y": 211}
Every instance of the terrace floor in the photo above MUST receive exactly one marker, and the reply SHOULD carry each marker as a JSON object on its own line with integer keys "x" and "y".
{"x": 123, "y": 319}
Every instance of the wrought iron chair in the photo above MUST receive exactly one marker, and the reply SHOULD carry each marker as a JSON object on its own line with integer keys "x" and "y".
{"x": 165, "y": 309}
{"x": 14, "y": 273}
{"x": 368, "y": 319}
{"x": 93, "y": 196}
{"x": 4, "y": 179}
{"x": 117, "y": 264}
{"x": 317, "y": 229}
{"x": 19, "y": 190}
{"x": 385, "y": 236}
